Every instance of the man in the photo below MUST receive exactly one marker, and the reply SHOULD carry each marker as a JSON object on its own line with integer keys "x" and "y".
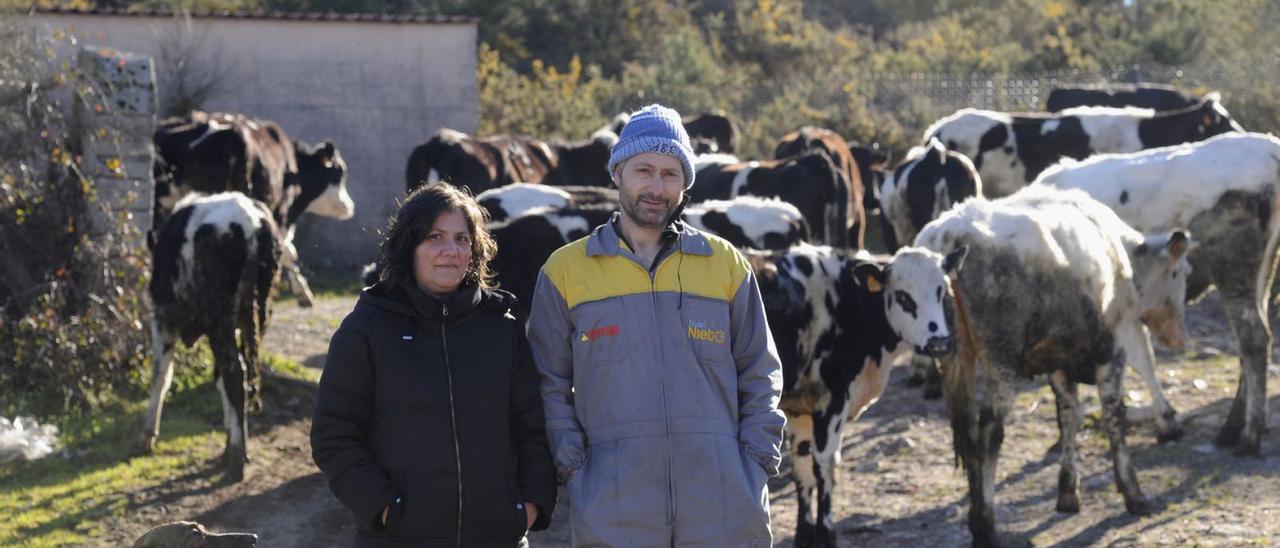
{"x": 660, "y": 379}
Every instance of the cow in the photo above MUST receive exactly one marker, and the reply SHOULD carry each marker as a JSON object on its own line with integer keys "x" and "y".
{"x": 1010, "y": 150}
{"x": 1152, "y": 96}
{"x": 809, "y": 138}
{"x": 750, "y": 222}
{"x": 211, "y": 153}
{"x": 929, "y": 181}
{"x": 525, "y": 243}
{"x": 1225, "y": 191}
{"x": 811, "y": 182}
{"x": 582, "y": 163}
{"x": 516, "y": 199}
{"x": 478, "y": 163}
{"x": 1043, "y": 282}
{"x": 709, "y": 133}
{"x": 484, "y": 163}
{"x": 872, "y": 163}
{"x": 826, "y": 312}
{"x": 214, "y": 263}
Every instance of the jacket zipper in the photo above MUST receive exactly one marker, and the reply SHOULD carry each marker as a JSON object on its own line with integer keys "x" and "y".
{"x": 662, "y": 387}
{"x": 453, "y": 418}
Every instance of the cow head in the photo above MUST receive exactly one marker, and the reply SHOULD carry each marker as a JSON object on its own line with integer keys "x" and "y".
{"x": 1160, "y": 271}
{"x": 1213, "y": 118}
{"x": 917, "y": 287}
{"x": 322, "y": 174}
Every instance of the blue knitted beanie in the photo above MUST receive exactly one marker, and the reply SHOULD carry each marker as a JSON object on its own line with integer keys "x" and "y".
{"x": 654, "y": 128}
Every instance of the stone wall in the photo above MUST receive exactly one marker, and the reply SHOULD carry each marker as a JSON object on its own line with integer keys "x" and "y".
{"x": 114, "y": 119}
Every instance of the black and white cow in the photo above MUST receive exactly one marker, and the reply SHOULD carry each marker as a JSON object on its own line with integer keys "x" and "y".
{"x": 1043, "y": 282}
{"x": 750, "y": 222}
{"x": 526, "y": 242}
{"x": 214, "y": 263}
{"x": 826, "y": 311}
{"x": 1010, "y": 150}
{"x": 929, "y": 181}
{"x": 811, "y": 182}
{"x": 1225, "y": 191}
{"x": 1152, "y": 96}
{"x": 517, "y": 199}
{"x": 210, "y": 153}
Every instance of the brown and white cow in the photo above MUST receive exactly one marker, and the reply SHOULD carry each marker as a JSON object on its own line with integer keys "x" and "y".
{"x": 811, "y": 138}
{"x": 485, "y": 163}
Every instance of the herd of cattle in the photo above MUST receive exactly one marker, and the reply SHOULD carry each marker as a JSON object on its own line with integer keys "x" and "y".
{"x": 1023, "y": 245}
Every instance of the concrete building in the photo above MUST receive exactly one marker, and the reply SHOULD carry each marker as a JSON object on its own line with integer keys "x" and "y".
{"x": 376, "y": 85}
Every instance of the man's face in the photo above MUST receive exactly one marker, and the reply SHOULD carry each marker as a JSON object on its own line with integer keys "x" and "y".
{"x": 650, "y": 187}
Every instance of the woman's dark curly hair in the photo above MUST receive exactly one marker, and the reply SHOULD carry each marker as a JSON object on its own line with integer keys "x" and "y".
{"x": 413, "y": 223}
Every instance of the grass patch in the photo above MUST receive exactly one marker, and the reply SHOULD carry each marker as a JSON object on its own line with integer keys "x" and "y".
{"x": 289, "y": 368}
{"x": 331, "y": 283}
{"x": 64, "y": 499}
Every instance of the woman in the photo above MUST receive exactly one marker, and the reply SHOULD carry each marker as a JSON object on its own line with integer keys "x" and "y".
{"x": 428, "y": 422}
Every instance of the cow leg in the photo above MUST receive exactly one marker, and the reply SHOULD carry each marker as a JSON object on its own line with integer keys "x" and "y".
{"x": 229, "y": 370}
{"x": 1110, "y": 377}
{"x": 1064, "y": 391}
{"x": 1136, "y": 343}
{"x": 162, "y": 342}
{"x": 977, "y": 432}
{"x": 828, "y": 427}
{"x": 1247, "y": 420}
{"x": 924, "y": 370}
{"x": 803, "y": 472}
{"x": 293, "y": 274}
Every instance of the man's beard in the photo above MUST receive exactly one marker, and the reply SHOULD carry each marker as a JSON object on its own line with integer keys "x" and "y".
{"x": 647, "y": 218}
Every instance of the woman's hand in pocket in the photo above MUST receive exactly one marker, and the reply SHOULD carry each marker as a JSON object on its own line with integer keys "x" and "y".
{"x": 531, "y": 515}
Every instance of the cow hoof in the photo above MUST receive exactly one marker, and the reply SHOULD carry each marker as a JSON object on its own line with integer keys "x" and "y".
{"x": 1068, "y": 503}
{"x": 1169, "y": 434}
{"x": 1229, "y": 436}
{"x": 933, "y": 392}
{"x": 145, "y": 445}
{"x": 1138, "y": 506}
{"x": 916, "y": 379}
{"x": 1249, "y": 446}
{"x": 804, "y": 536}
{"x": 987, "y": 539}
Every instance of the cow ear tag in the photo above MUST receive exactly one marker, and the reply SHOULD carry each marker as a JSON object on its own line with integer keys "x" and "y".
{"x": 873, "y": 284}
{"x": 584, "y": 338}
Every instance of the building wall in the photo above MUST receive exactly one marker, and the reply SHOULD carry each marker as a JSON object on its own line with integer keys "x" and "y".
{"x": 376, "y": 89}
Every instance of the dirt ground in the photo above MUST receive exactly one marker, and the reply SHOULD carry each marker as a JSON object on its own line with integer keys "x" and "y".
{"x": 899, "y": 485}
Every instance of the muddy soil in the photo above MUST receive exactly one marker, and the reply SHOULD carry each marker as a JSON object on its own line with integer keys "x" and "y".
{"x": 899, "y": 485}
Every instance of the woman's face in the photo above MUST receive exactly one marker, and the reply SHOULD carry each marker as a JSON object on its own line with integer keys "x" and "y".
{"x": 440, "y": 261}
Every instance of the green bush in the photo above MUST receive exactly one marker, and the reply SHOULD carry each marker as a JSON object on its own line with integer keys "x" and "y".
{"x": 71, "y": 306}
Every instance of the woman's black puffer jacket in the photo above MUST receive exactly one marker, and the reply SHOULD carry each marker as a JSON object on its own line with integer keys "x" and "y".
{"x": 433, "y": 406}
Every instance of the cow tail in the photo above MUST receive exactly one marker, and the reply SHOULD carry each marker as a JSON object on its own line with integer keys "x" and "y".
{"x": 1265, "y": 284}
{"x": 258, "y": 278}
{"x": 959, "y": 373}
